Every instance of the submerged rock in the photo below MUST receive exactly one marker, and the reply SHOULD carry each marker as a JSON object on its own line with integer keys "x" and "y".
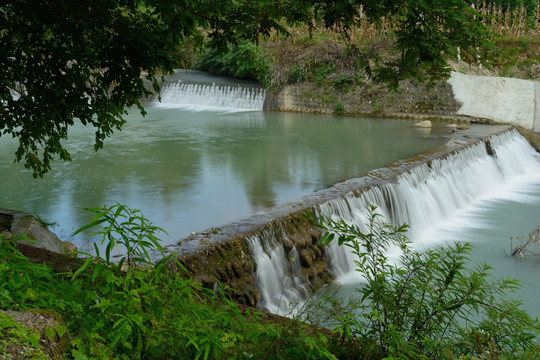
{"x": 463, "y": 127}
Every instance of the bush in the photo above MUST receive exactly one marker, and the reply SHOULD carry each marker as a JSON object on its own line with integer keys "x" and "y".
{"x": 245, "y": 60}
{"x": 296, "y": 74}
{"x": 432, "y": 305}
{"x": 116, "y": 312}
{"x": 339, "y": 108}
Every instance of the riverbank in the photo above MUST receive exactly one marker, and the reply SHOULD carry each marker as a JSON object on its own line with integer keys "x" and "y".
{"x": 318, "y": 71}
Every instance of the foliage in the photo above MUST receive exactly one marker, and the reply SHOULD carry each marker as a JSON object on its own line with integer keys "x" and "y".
{"x": 510, "y": 3}
{"x": 339, "y": 108}
{"x": 296, "y": 74}
{"x": 428, "y": 29}
{"x": 16, "y": 341}
{"x": 119, "y": 224}
{"x": 151, "y": 312}
{"x": 66, "y": 62}
{"x": 431, "y": 305}
{"x": 244, "y": 60}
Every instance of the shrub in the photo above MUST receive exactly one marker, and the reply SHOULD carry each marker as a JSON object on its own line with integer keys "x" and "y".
{"x": 296, "y": 74}
{"x": 339, "y": 108}
{"x": 244, "y": 60}
{"x": 113, "y": 312}
{"x": 433, "y": 305}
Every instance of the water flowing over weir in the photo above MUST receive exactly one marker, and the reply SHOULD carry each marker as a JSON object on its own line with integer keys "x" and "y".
{"x": 424, "y": 196}
{"x": 212, "y": 97}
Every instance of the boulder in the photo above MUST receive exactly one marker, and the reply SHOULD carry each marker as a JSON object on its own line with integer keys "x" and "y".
{"x": 423, "y": 124}
{"x": 33, "y": 232}
{"x": 316, "y": 251}
{"x": 319, "y": 266}
{"x": 287, "y": 245}
{"x": 463, "y": 127}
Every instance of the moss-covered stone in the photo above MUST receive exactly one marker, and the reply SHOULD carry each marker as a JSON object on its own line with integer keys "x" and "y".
{"x": 36, "y": 334}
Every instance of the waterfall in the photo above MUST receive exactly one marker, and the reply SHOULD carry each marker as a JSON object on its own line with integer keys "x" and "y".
{"x": 430, "y": 195}
{"x": 278, "y": 274}
{"x": 212, "y": 97}
{"x": 426, "y": 196}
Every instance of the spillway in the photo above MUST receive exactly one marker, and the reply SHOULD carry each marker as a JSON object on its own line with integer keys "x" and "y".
{"x": 425, "y": 196}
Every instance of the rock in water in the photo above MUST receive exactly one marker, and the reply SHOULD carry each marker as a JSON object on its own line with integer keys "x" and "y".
{"x": 423, "y": 124}
{"x": 463, "y": 127}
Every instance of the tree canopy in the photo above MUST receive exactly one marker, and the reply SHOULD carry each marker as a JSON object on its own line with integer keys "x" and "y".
{"x": 87, "y": 61}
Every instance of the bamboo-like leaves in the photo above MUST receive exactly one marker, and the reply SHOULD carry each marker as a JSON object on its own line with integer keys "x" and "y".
{"x": 126, "y": 230}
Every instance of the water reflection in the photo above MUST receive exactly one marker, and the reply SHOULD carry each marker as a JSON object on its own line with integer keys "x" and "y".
{"x": 189, "y": 171}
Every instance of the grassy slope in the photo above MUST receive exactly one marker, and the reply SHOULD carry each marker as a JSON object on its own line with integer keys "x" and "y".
{"x": 321, "y": 74}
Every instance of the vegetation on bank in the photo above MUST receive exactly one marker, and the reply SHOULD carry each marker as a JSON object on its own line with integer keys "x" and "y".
{"x": 333, "y": 69}
{"x": 114, "y": 311}
{"x": 432, "y": 306}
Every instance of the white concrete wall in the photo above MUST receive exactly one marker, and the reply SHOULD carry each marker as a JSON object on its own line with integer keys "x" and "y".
{"x": 502, "y": 100}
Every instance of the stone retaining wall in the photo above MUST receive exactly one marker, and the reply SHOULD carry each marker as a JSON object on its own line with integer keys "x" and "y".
{"x": 463, "y": 97}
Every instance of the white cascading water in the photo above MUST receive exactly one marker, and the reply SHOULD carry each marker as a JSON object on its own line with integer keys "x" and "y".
{"x": 212, "y": 97}
{"x": 430, "y": 196}
{"x": 278, "y": 273}
{"x": 425, "y": 197}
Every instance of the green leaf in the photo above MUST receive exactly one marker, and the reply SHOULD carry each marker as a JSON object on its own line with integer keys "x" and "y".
{"x": 82, "y": 268}
{"x": 49, "y": 331}
{"x": 60, "y": 329}
{"x": 96, "y": 221}
{"x": 34, "y": 339}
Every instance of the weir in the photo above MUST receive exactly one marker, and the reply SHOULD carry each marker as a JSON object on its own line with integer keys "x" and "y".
{"x": 195, "y": 90}
{"x": 280, "y": 246}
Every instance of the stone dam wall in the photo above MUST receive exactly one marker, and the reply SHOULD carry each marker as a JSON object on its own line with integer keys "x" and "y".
{"x": 498, "y": 99}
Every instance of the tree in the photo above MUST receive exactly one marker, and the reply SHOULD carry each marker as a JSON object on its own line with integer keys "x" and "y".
{"x": 87, "y": 61}
{"x": 78, "y": 61}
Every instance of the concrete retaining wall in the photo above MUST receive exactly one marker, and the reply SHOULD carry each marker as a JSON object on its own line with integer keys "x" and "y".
{"x": 498, "y": 99}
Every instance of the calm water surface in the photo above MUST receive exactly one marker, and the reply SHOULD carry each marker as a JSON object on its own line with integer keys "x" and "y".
{"x": 188, "y": 171}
